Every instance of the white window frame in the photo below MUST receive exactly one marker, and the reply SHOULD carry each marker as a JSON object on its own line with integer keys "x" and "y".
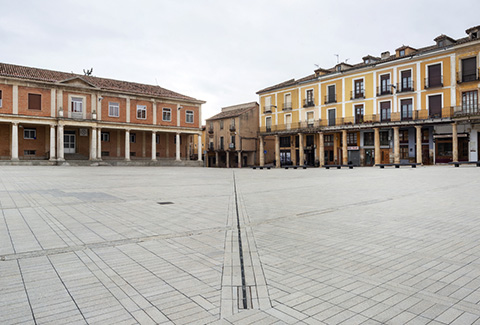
{"x": 30, "y": 134}
{"x": 187, "y": 115}
{"x": 113, "y": 107}
{"x": 105, "y": 136}
{"x": 78, "y": 99}
{"x": 77, "y": 105}
{"x": 166, "y": 110}
{"x": 142, "y": 109}
{"x": 268, "y": 118}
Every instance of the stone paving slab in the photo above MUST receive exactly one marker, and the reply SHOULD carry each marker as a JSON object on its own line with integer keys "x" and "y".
{"x": 92, "y": 245}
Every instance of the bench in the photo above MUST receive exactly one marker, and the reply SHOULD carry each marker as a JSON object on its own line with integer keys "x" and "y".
{"x": 413, "y": 165}
{"x": 458, "y": 163}
{"x": 260, "y": 167}
{"x": 295, "y": 167}
{"x": 337, "y": 166}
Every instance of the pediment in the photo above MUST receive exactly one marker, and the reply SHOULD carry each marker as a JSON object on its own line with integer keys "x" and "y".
{"x": 78, "y": 82}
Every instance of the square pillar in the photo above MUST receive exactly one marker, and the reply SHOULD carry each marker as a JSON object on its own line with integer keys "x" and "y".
{"x": 454, "y": 142}
{"x": 99, "y": 143}
{"x": 344, "y": 148}
{"x": 14, "y": 142}
{"x": 228, "y": 158}
{"x": 262, "y": 152}
{"x": 396, "y": 145}
{"x": 127, "y": 145}
{"x": 239, "y": 156}
{"x": 199, "y": 147}
{"x": 60, "y": 147}
{"x": 377, "y": 146}
{"x": 277, "y": 151}
{"x": 177, "y": 147}
{"x": 93, "y": 143}
{"x": 216, "y": 158}
{"x": 154, "y": 146}
{"x": 322, "y": 149}
{"x": 301, "y": 153}
{"x": 419, "y": 143}
{"x": 52, "y": 142}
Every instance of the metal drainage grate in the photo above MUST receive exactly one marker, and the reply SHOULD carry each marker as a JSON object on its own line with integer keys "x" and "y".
{"x": 164, "y": 203}
{"x": 244, "y": 302}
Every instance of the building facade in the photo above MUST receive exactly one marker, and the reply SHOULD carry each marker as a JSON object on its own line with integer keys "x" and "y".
{"x": 416, "y": 105}
{"x": 232, "y": 136}
{"x": 57, "y": 116}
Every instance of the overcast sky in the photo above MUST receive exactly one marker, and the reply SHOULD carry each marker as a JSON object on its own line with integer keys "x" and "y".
{"x": 219, "y": 51}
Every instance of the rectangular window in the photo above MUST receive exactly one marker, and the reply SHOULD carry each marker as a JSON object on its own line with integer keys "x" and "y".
{"x": 331, "y": 117}
{"x": 359, "y": 91}
{"x": 469, "y": 69}
{"x": 385, "y": 111}
{"x": 470, "y": 101}
{"x": 331, "y": 96}
{"x": 113, "y": 109}
{"x": 385, "y": 87}
{"x": 434, "y": 76}
{"x": 406, "y": 81}
{"x": 358, "y": 114}
{"x": 403, "y": 136}
{"x": 30, "y": 134}
{"x": 29, "y": 152}
{"x": 0, "y": 98}
{"x": 435, "y": 106}
{"x": 34, "y": 101}
{"x": 105, "y": 153}
{"x": 221, "y": 124}
{"x": 221, "y": 143}
{"x": 309, "y": 100}
{"x": 310, "y": 119}
{"x": 157, "y": 138}
{"x": 407, "y": 109}
{"x": 105, "y": 136}
{"x": 77, "y": 105}
{"x": 232, "y": 142}
{"x": 287, "y": 105}
{"x": 189, "y": 116}
{"x": 352, "y": 139}
{"x": 288, "y": 121}
{"x": 404, "y": 152}
{"x": 166, "y": 114}
{"x": 368, "y": 139}
{"x": 328, "y": 140}
{"x": 384, "y": 141}
{"x": 133, "y": 138}
{"x": 284, "y": 142}
{"x": 268, "y": 124}
{"x": 141, "y": 112}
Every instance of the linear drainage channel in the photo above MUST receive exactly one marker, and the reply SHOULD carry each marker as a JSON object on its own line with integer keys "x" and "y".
{"x": 244, "y": 292}
{"x": 164, "y": 203}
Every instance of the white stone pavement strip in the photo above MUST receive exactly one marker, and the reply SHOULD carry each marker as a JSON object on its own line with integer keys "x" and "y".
{"x": 92, "y": 245}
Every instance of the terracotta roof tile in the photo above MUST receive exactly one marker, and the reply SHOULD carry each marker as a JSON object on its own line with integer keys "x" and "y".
{"x": 233, "y": 111}
{"x": 16, "y": 71}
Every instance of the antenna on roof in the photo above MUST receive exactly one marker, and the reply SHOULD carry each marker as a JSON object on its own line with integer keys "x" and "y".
{"x": 316, "y": 65}
{"x": 156, "y": 81}
{"x": 346, "y": 60}
{"x": 338, "y": 58}
{"x": 88, "y": 72}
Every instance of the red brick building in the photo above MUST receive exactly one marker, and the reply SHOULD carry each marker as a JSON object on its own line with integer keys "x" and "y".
{"x": 57, "y": 116}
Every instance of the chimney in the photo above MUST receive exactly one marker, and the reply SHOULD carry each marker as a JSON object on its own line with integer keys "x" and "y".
{"x": 385, "y": 55}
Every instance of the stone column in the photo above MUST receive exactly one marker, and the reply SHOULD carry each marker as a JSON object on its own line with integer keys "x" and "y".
{"x": 277, "y": 151}
{"x": 419, "y": 143}
{"x": 93, "y": 143}
{"x": 216, "y": 158}
{"x": 144, "y": 144}
{"x": 52, "y": 142}
{"x": 127, "y": 145}
{"x": 377, "y": 146}
{"x": 322, "y": 149}
{"x": 14, "y": 142}
{"x": 60, "y": 147}
{"x": 344, "y": 148}
{"x": 99, "y": 143}
{"x": 454, "y": 142}
{"x": 239, "y": 160}
{"x": 396, "y": 145}
{"x": 154, "y": 146}
{"x": 262, "y": 152}
{"x": 199, "y": 147}
{"x": 301, "y": 152}
{"x": 228, "y": 158}
{"x": 177, "y": 147}
{"x": 293, "y": 151}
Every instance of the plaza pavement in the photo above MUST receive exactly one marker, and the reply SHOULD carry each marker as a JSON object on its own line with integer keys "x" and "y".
{"x": 93, "y": 245}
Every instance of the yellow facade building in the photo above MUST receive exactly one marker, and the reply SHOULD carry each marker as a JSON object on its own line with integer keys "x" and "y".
{"x": 410, "y": 106}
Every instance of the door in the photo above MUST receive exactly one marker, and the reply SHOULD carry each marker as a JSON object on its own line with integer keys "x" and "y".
{"x": 369, "y": 157}
{"x": 434, "y": 75}
{"x": 435, "y": 106}
{"x": 359, "y": 114}
{"x": 69, "y": 142}
{"x": 331, "y": 117}
{"x": 385, "y": 156}
{"x": 426, "y": 155}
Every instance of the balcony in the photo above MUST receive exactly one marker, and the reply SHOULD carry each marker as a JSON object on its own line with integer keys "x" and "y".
{"x": 210, "y": 147}
{"x": 308, "y": 102}
{"x": 357, "y": 94}
{"x": 405, "y": 86}
{"x": 330, "y": 99}
{"x": 467, "y": 76}
{"x": 210, "y": 130}
{"x": 287, "y": 106}
{"x": 267, "y": 109}
{"x": 467, "y": 110}
{"x": 231, "y": 145}
{"x": 433, "y": 82}
{"x": 383, "y": 91}
{"x": 232, "y": 128}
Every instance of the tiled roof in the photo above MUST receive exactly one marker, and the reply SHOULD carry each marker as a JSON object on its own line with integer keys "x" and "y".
{"x": 28, "y": 73}
{"x": 234, "y": 111}
{"x": 423, "y": 50}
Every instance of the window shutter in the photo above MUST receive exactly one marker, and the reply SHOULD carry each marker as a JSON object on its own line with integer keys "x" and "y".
{"x": 34, "y": 101}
